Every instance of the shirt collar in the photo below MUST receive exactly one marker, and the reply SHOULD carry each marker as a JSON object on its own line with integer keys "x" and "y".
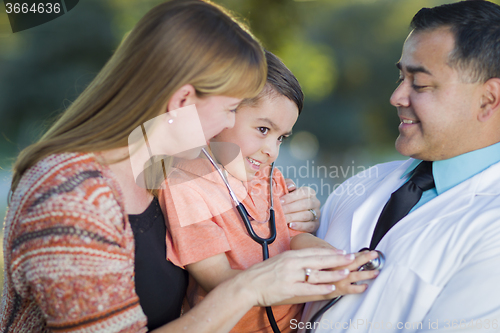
{"x": 451, "y": 172}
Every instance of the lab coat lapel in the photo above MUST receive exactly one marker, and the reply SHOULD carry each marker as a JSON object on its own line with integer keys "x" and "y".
{"x": 366, "y": 215}
{"x": 456, "y": 199}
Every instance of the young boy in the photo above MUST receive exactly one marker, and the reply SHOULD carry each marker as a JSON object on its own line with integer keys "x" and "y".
{"x": 207, "y": 235}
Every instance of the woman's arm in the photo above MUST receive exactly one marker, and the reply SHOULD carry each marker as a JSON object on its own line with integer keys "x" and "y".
{"x": 266, "y": 283}
{"x": 211, "y": 272}
{"x": 263, "y": 284}
{"x": 219, "y": 311}
{"x": 305, "y": 241}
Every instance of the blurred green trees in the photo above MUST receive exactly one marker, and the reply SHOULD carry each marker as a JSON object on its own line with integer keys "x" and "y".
{"x": 343, "y": 53}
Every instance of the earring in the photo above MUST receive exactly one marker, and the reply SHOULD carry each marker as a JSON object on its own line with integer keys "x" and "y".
{"x": 172, "y": 115}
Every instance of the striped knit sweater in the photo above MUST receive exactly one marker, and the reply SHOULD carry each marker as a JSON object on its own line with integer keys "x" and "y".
{"x": 69, "y": 252}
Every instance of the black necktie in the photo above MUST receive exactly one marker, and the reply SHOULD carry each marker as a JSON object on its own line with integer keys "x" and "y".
{"x": 403, "y": 200}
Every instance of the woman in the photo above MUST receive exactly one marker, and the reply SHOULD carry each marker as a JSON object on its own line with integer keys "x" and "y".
{"x": 69, "y": 259}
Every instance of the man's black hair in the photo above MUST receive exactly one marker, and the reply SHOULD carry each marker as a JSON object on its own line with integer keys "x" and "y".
{"x": 476, "y": 27}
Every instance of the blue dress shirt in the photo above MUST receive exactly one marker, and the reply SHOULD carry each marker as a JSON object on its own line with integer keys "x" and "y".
{"x": 451, "y": 172}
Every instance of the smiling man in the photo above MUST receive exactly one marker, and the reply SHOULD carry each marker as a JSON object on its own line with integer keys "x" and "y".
{"x": 436, "y": 216}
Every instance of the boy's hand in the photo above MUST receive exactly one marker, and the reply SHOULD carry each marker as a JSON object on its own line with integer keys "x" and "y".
{"x": 296, "y": 206}
{"x": 346, "y": 285}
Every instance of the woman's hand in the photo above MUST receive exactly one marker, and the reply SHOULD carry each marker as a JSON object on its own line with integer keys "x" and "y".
{"x": 349, "y": 274}
{"x": 297, "y": 205}
{"x": 284, "y": 275}
{"x": 352, "y": 275}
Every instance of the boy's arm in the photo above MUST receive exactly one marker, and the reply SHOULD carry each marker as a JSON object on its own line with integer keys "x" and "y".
{"x": 303, "y": 241}
{"x": 211, "y": 272}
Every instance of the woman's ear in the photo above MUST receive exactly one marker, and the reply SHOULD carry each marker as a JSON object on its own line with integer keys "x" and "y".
{"x": 490, "y": 101}
{"x": 184, "y": 96}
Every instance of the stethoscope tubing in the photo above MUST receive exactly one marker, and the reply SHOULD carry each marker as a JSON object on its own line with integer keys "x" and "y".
{"x": 272, "y": 225}
{"x": 264, "y": 242}
{"x": 321, "y": 311}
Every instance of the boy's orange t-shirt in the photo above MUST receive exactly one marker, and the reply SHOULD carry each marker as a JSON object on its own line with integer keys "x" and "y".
{"x": 202, "y": 222}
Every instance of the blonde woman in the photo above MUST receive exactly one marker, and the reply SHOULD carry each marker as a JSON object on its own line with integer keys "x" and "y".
{"x": 71, "y": 261}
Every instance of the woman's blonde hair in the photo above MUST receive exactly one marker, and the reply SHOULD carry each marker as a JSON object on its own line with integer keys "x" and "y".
{"x": 176, "y": 43}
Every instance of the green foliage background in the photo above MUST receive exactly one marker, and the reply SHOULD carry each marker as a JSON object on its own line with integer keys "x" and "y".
{"x": 342, "y": 51}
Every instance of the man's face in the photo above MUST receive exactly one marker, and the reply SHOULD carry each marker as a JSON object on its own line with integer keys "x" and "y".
{"x": 438, "y": 111}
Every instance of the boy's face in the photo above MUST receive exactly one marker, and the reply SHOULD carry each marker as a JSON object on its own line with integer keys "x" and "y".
{"x": 259, "y": 131}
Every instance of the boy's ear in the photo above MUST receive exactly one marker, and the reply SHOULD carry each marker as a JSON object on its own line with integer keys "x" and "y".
{"x": 184, "y": 96}
{"x": 490, "y": 101}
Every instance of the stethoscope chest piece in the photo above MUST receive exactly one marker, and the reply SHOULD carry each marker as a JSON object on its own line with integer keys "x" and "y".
{"x": 374, "y": 264}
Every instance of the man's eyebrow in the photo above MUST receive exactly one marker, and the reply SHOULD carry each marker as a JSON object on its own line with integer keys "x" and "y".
{"x": 414, "y": 69}
{"x": 273, "y": 125}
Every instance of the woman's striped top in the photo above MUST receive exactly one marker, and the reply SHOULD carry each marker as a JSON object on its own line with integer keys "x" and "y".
{"x": 69, "y": 252}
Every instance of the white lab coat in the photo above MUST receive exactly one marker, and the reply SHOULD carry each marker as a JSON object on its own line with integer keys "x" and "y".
{"x": 442, "y": 260}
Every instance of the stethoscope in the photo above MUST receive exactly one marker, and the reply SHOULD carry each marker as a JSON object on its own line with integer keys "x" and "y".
{"x": 373, "y": 264}
{"x": 264, "y": 242}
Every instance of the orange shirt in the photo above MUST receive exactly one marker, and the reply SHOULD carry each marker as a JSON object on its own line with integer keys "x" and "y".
{"x": 203, "y": 222}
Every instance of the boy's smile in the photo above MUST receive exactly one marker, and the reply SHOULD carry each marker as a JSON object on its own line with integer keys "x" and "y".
{"x": 259, "y": 131}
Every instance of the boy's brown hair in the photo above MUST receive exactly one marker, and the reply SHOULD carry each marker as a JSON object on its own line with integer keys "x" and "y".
{"x": 280, "y": 81}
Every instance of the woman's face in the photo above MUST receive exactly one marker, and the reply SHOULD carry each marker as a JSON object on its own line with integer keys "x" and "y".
{"x": 216, "y": 113}
{"x": 182, "y": 132}
{"x": 191, "y": 127}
